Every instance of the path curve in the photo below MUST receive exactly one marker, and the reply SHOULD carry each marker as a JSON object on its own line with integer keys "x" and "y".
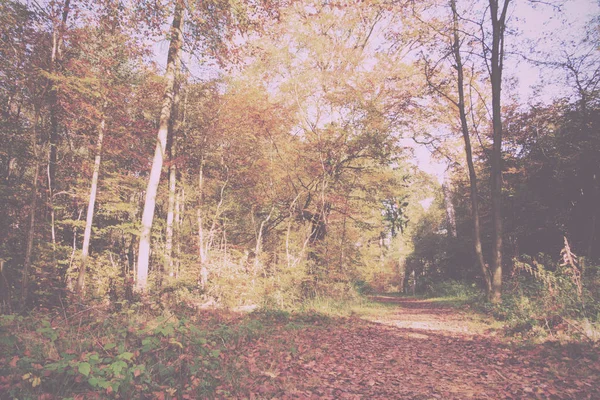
{"x": 423, "y": 351}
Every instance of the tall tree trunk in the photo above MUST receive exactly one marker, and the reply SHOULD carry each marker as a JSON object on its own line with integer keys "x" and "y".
{"x": 259, "y": 240}
{"x": 170, "y": 219}
{"x": 174, "y": 126}
{"x": 449, "y": 205}
{"x": 5, "y": 295}
{"x": 52, "y": 100}
{"x": 56, "y": 55}
{"x": 159, "y": 153}
{"x": 30, "y": 237}
{"x": 177, "y": 233}
{"x": 203, "y": 278}
{"x": 90, "y": 209}
{"x": 51, "y": 201}
{"x": 498, "y": 29}
{"x": 33, "y": 209}
{"x": 73, "y": 251}
{"x": 474, "y": 191}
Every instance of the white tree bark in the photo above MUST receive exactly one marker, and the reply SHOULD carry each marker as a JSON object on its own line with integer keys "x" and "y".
{"x": 90, "y": 209}
{"x": 161, "y": 144}
{"x": 172, "y": 186}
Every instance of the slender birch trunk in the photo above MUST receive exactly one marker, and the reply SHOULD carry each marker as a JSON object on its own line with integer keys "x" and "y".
{"x": 201, "y": 252}
{"x": 292, "y": 210}
{"x": 90, "y": 209}
{"x": 33, "y": 209}
{"x": 73, "y": 251}
{"x": 174, "y": 126}
{"x": 176, "y": 233}
{"x": 52, "y": 97}
{"x": 211, "y": 233}
{"x": 259, "y": 239}
{"x": 201, "y": 246}
{"x": 30, "y": 237}
{"x": 170, "y": 220}
{"x": 55, "y": 57}
{"x": 161, "y": 144}
{"x": 498, "y": 17}
{"x": 474, "y": 192}
{"x": 449, "y": 205}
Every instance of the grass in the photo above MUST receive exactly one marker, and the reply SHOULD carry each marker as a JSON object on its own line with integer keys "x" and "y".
{"x": 360, "y": 307}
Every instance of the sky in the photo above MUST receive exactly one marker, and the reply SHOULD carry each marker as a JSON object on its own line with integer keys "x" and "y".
{"x": 541, "y": 25}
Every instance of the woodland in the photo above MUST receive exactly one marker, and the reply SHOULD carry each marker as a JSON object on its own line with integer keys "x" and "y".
{"x": 223, "y": 198}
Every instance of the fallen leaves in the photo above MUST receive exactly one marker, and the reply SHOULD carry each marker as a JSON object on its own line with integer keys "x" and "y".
{"x": 13, "y": 362}
{"x": 351, "y": 359}
{"x": 311, "y": 357}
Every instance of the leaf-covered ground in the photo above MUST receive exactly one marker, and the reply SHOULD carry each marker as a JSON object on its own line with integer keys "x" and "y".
{"x": 421, "y": 351}
{"x": 395, "y": 348}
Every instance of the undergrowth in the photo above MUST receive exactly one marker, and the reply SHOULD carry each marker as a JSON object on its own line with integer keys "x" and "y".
{"x": 541, "y": 300}
{"x": 96, "y": 352}
{"x": 549, "y": 300}
{"x": 332, "y": 307}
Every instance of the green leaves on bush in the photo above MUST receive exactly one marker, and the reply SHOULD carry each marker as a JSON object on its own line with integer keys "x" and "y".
{"x": 84, "y": 368}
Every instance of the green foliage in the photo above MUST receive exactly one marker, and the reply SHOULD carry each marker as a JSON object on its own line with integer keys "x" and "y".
{"x": 545, "y": 299}
{"x": 112, "y": 356}
{"x": 456, "y": 290}
{"x": 97, "y": 352}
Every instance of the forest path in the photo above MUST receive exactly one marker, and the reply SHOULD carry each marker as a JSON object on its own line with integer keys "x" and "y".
{"x": 431, "y": 316}
{"x": 420, "y": 350}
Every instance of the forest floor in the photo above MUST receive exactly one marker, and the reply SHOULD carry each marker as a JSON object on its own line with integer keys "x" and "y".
{"x": 415, "y": 349}
{"x": 388, "y": 348}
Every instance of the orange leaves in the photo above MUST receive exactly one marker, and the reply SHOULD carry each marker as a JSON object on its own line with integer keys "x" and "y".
{"x": 306, "y": 356}
{"x": 13, "y": 362}
{"x": 350, "y": 359}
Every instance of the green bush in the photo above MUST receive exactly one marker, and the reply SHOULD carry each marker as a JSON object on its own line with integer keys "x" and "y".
{"x": 546, "y": 298}
{"x": 114, "y": 355}
{"x": 454, "y": 289}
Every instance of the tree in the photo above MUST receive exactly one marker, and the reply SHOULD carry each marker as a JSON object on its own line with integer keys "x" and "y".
{"x": 474, "y": 195}
{"x": 173, "y": 58}
{"x": 174, "y": 126}
{"x": 448, "y": 76}
{"x": 453, "y": 41}
{"x": 498, "y": 12}
{"x": 460, "y": 102}
{"x": 91, "y": 203}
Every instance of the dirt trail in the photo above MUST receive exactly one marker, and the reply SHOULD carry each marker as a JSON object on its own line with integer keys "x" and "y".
{"x": 421, "y": 351}
{"x": 429, "y": 316}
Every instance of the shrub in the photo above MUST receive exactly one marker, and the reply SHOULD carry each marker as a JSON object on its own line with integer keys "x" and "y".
{"x": 556, "y": 298}
{"x": 454, "y": 289}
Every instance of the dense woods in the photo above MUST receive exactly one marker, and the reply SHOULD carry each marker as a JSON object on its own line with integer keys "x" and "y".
{"x": 269, "y": 153}
{"x": 282, "y": 145}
